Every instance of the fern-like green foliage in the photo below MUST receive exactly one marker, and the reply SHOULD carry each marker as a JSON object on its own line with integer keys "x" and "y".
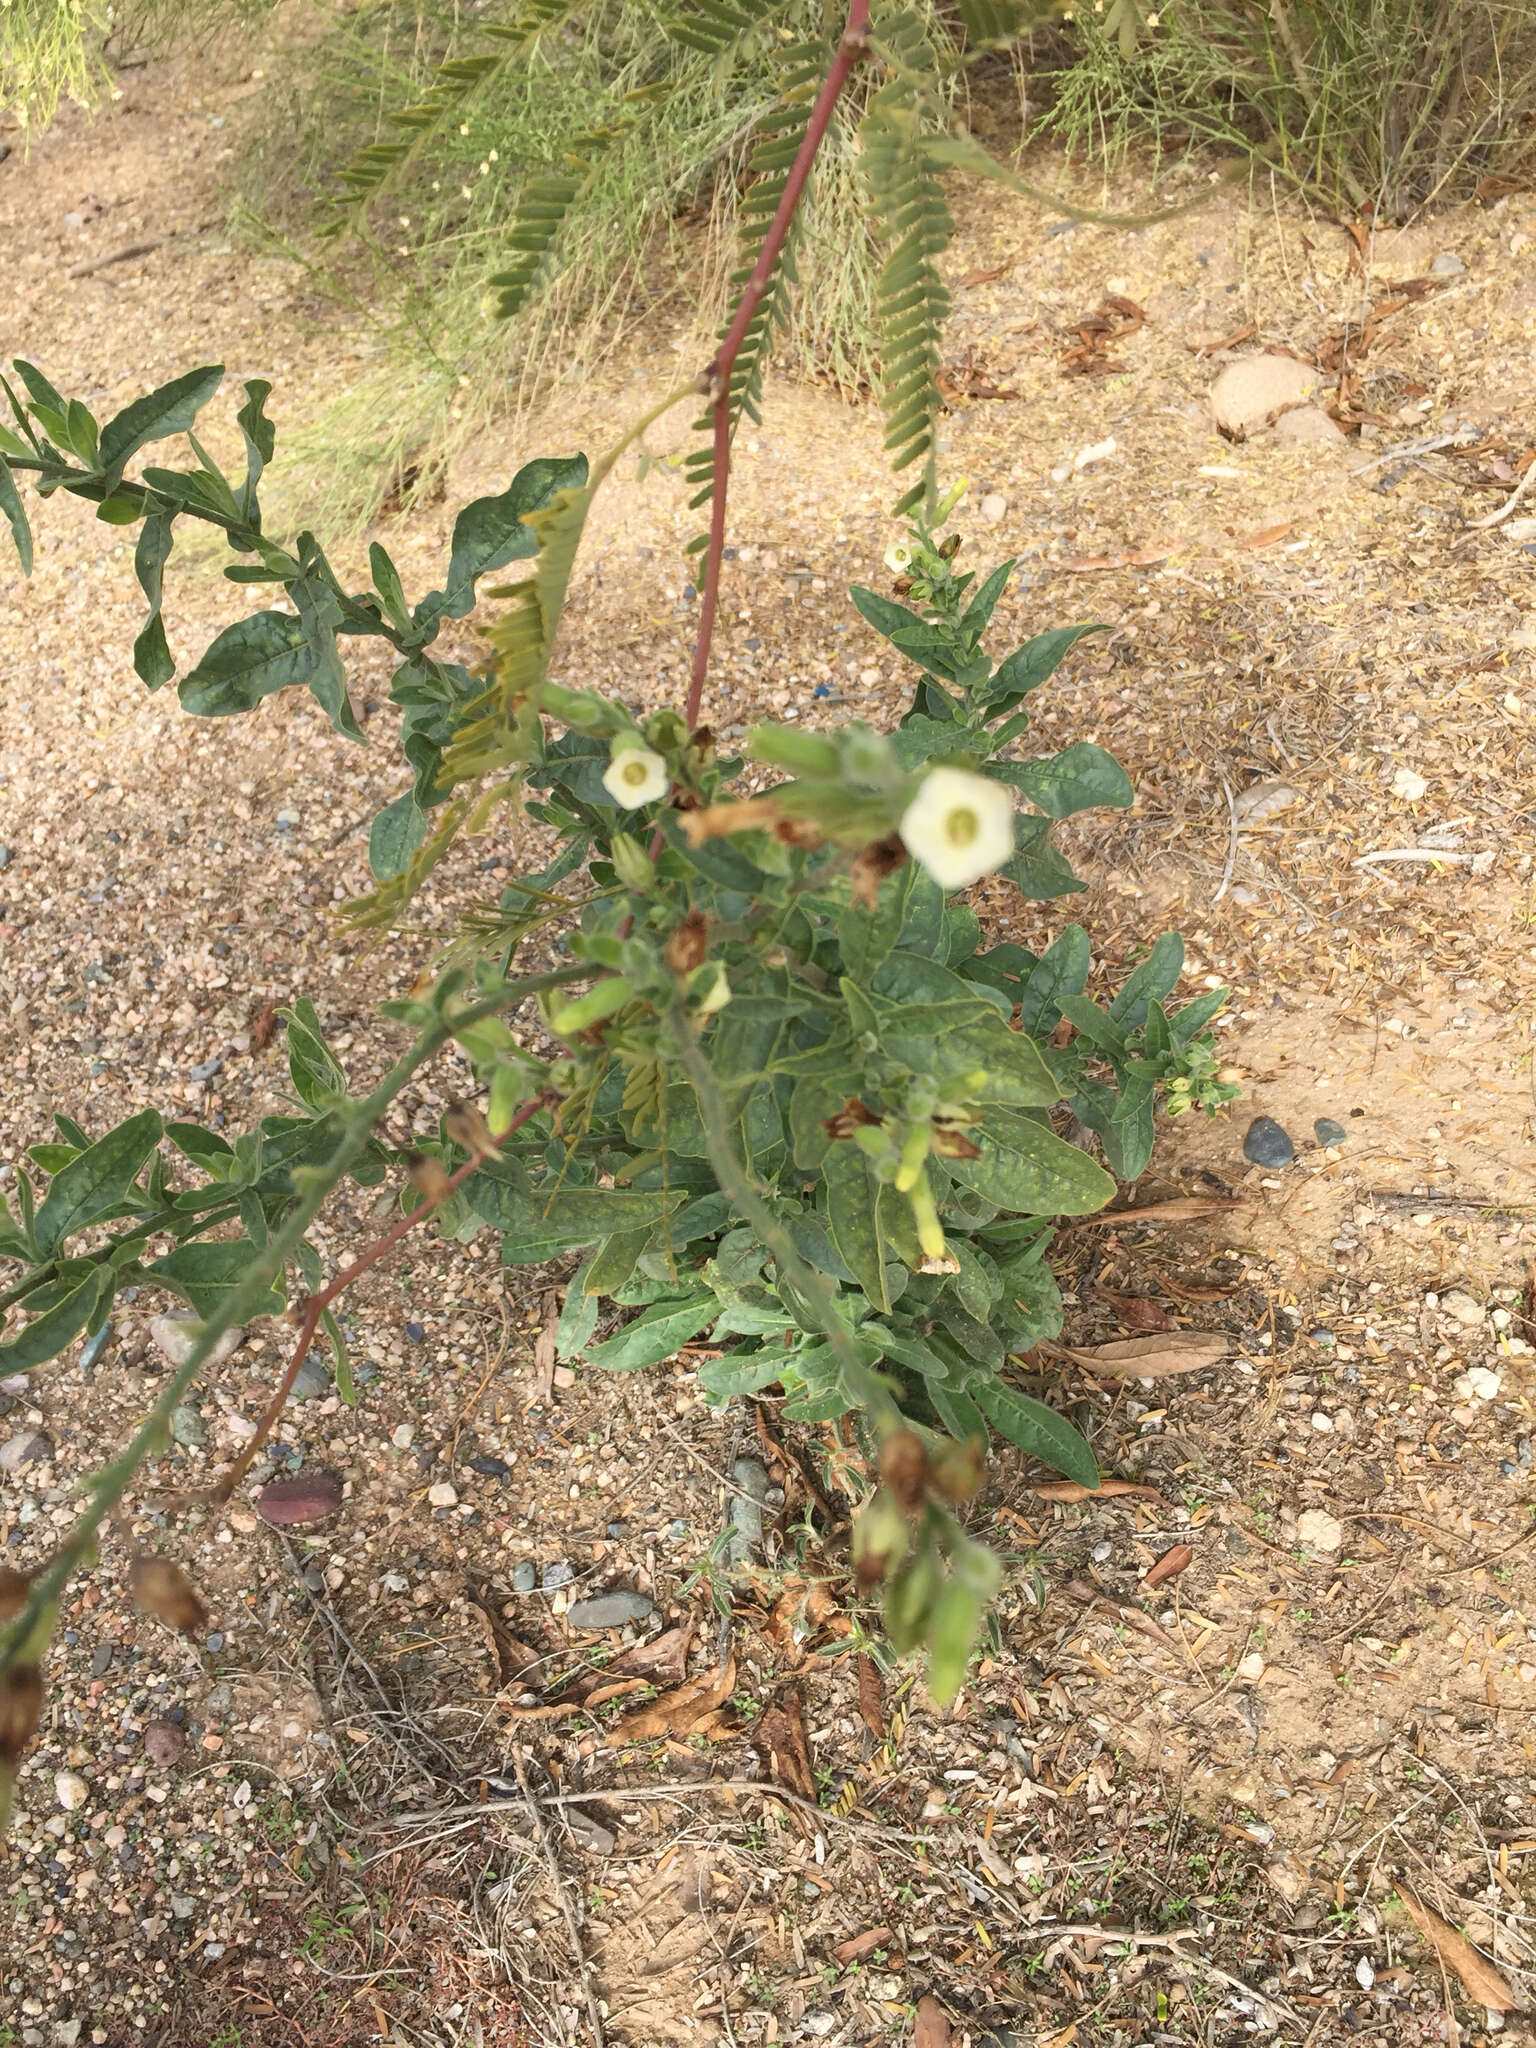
{"x": 454, "y": 84}
{"x": 542, "y": 209}
{"x": 779, "y": 138}
{"x": 911, "y": 299}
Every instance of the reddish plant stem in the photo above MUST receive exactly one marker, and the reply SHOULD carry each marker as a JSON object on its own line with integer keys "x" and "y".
{"x": 315, "y": 1305}
{"x": 850, "y": 50}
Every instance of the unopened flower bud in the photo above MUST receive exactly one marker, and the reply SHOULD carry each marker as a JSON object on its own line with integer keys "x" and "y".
{"x": 904, "y": 1468}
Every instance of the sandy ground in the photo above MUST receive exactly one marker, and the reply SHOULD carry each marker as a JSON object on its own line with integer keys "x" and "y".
{"x": 1240, "y": 1768}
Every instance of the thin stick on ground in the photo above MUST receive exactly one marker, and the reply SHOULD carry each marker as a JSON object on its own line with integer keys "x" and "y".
{"x": 573, "y": 1925}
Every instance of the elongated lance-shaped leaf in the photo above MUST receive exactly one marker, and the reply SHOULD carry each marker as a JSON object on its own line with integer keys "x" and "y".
{"x": 911, "y": 300}
{"x": 454, "y": 84}
{"x": 779, "y": 137}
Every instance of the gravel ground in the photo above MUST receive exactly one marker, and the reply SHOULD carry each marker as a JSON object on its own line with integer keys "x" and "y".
{"x": 1241, "y": 1761}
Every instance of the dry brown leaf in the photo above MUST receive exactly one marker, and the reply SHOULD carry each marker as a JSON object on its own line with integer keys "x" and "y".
{"x": 1168, "y": 1566}
{"x": 1267, "y": 536}
{"x": 1136, "y": 1311}
{"x": 782, "y": 1729}
{"x": 1179, "y": 1209}
{"x": 163, "y": 1589}
{"x": 931, "y": 2029}
{"x": 1214, "y": 348}
{"x": 858, "y": 1946}
{"x": 1131, "y": 558}
{"x": 262, "y": 1027}
{"x": 871, "y": 1704}
{"x": 1483, "y": 1982}
{"x": 1181, "y": 1290}
{"x": 1154, "y": 1358}
{"x": 664, "y": 1661}
{"x": 578, "y": 1703}
{"x": 1065, "y": 2039}
{"x": 1070, "y": 1491}
{"x": 975, "y": 277}
{"x": 544, "y": 1353}
{"x": 679, "y": 1712}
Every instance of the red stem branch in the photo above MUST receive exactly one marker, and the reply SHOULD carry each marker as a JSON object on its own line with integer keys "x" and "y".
{"x": 850, "y": 50}
{"x": 315, "y": 1305}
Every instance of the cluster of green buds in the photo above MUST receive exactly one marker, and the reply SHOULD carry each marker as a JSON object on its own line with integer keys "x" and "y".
{"x": 921, "y": 563}
{"x": 908, "y": 1539}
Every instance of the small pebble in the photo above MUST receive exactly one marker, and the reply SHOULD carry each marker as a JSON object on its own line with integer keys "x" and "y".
{"x": 1462, "y": 1307}
{"x": 314, "y": 1579}
{"x": 616, "y": 1531}
{"x": 311, "y": 1383}
{"x": 30, "y": 1447}
{"x": 993, "y": 507}
{"x": 403, "y": 1435}
{"x": 216, "y": 1642}
{"x": 556, "y": 1576}
{"x": 1267, "y": 1144}
{"x": 71, "y": 1789}
{"x": 205, "y": 1070}
{"x": 1322, "y": 1423}
{"x": 1525, "y": 1454}
{"x": 442, "y": 1495}
{"x": 488, "y": 1467}
{"x": 187, "y": 1426}
{"x": 101, "y": 1659}
{"x": 611, "y": 1610}
{"x": 163, "y": 1742}
{"x": 288, "y": 1502}
{"x": 175, "y": 1336}
{"x": 1327, "y": 1132}
{"x": 1447, "y": 264}
{"x": 1320, "y": 1530}
{"x": 1103, "y": 1552}
{"x": 524, "y": 1577}
{"x": 95, "y": 1348}
{"x": 414, "y": 1333}
{"x": 5, "y": 856}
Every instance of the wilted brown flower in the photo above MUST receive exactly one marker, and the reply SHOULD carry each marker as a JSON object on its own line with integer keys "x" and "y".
{"x": 848, "y": 1119}
{"x": 904, "y": 1468}
{"x": 686, "y": 948}
{"x": 427, "y": 1175}
{"x": 21, "y": 1707}
{"x": 164, "y": 1590}
{"x": 950, "y": 1142}
{"x": 14, "y": 1587}
{"x": 880, "y": 858}
{"x": 464, "y": 1124}
{"x": 960, "y": 1468}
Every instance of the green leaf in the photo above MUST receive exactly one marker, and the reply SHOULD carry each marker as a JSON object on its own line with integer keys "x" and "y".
{"x": 386, "y": 581}
{"x": 260, "y": 437}
{"x": 578, "y": 1316}
{"x": 1037, "y": 869}
{"x": 1061, "y": 970}
{"x": 80, "y": 433}
{"x": 1079, "y": 778}
{"x": 1156, "y": 977}
{"x": 1033, "y": 664}
{"x": 852, "y": 1191}
{"x": 95, "y": 1186}
{"x": 743, "y": 1372}
{"x": 152, "y": 662}
{"x": 205, "y": 1148}
{"x": 155, "y": 417}
{"x": 489, "y": 533}
{"x": 39, "y": 390}
{"x": 319, "y": 610}
{"x": 317, "y": 1074}
{"x": 205, "y": 1274}
{"x": 11, "y": 506}
{"x": 1038, "y": 1430}
{"x": 247, "y": 662}
{"x": 46, "y": 1335}
{"x": 1095, "y": 1024}
{"x": 883, "y": 613}
{"x": 394, "y": 836}
{"x": 977, "y": 616}
{"x": 1025, "y": 1167}
{"x": 612, "y": 1266}
{"x": 656, "y": 1334}
{"x": 918, "y": 739}
{"x": 564, "y": 1218}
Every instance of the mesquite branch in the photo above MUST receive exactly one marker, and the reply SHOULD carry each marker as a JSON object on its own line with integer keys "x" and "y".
{"x": 850, "y": 50}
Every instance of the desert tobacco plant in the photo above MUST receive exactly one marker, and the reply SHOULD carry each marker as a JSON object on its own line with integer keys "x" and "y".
{"x": 780, "y": 1092}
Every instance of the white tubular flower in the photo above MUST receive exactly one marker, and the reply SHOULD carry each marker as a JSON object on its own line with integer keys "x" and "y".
{"x": 898, "y": 557}
{"x": 959, "y": 826}
{"x": 635, "y": 776}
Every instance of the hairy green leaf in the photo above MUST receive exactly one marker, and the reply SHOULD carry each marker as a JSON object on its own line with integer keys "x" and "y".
{"x": 47, "y": 1334}
{"x": 11, "y": 506}
{"x": 155, "y": 417}
{"x": 94, "y": 1186}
